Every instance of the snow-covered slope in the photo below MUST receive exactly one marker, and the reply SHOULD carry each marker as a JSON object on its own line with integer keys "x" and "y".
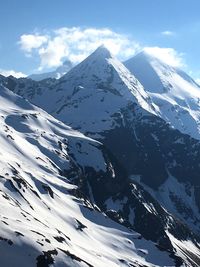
{"x": 58, "y": 73}
{"x": 175, "y": 94}
{"x": 101, "y": 98}
{"x": 45, "y": 221}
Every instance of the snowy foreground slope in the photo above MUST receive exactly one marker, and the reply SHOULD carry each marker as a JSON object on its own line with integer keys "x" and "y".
{"x": 175, "y": 94}
{"x": 155, "y": 190}
{"x": 45, "y": 221}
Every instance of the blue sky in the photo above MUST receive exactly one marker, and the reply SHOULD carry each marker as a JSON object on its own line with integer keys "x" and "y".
{"x": 38, "y": 35}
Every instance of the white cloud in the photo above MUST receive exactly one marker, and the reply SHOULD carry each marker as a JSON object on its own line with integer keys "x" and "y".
{"x": 168, "y": 55}
{"x": 16, "y": 74}
{"x": 28, "y": 42}
{"x": 76, "y": 44}
{"x": 168, "y": 33}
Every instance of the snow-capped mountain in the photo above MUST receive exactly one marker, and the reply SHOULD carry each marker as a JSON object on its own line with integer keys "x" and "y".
{"x": 152, "y": 185}
{"x": 176, "y": 95}
{"x": 56, "y": 74}
{"x": 96, "y": 83}
{"x": 45, "y": 219}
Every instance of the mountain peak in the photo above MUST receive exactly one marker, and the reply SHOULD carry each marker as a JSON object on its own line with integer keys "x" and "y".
{"x": 147, "y": 57}
{"x": 95, "y": 64}
{"x": 154, "y": 73}
{"x": 142, "y": 53}
{"x": 102, "y": 74}
{"x": 169, "y": 87}
{"x": 99, "y": 58}
{"x": 102, "y": 51}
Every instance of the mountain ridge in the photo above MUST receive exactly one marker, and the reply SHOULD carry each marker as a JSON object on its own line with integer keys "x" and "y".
{"x": 103, "y": 100}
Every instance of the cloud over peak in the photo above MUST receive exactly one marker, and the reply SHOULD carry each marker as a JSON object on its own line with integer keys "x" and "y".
{"x": 168, "y": 55}
{"x": 75, "y": 43}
